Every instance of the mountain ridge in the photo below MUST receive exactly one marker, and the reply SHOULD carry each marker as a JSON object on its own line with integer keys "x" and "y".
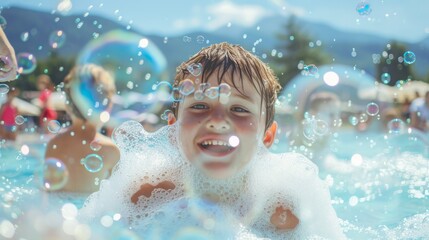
{"x": 80, "y": 29}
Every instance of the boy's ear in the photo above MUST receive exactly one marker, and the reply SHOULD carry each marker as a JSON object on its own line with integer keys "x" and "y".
{"x": 171, "y": 119}
{"x": 270, "y": 135}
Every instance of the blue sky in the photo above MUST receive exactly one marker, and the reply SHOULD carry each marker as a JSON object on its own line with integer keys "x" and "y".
{"x": 405, "y": 20}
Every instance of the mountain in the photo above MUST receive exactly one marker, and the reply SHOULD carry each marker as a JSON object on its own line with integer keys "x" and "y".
{"x": 261, "y": 38}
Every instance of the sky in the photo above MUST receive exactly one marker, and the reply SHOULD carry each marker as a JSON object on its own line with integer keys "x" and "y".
{"x": 404, "y": 20}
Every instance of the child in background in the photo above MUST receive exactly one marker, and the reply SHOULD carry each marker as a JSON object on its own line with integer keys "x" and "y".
{"x": 221, "y": 128}
{"x": 83, "y": 137}
{"x": 8, "y": 113}
{"x": 48, "y": 113}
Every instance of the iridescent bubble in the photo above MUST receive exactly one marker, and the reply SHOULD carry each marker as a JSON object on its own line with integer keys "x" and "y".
{"x": 353, "y": 120}
{"x": 310, "y": 70}
{"x": 199, "y": 95}
{"x": 95, "y": 145}
{"x": 136, "y": 64}
{"x": 385, "y": 78}
{"x": 55, "y": 174}
{"x": 187, "y": 39}
{"x": 225, "y": 89}
{"x": 363, "y": 8}
{"x": 4, "y": 88}
{"x": 176, "y": 95}
{"x": 54, "y": 126}
{"x": 308, "y": 129}
{"x": 224, "y": 93}
{"x": 203, "y": 86}
{"x": 212, "y": 92}
{"x": 3, "y": 22}
{"x": 57, "y": 39}
{"x": 92, "y": 163}
{"x": 396, "y": 126}
{"x": 19, "y": 120}
{"x": 409, "y": 57}
{"x": 363, "y": 117}
{"x": 24, "y": 36}
{"x": 372, "y": 109}
{"x": 186, "y": 87}
{"x": 195, "y": 69}
{"x": 163, "y": 90}
{"x": 321, "y": 127}
{"x": 26, "y": 63}
{"x": 5, "y": 64}
{"x": 164, "y": 115}
{"x": 200, "y": 39}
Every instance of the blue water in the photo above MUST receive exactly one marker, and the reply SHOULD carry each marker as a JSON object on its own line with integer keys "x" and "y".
{"x": 384, "y": 195}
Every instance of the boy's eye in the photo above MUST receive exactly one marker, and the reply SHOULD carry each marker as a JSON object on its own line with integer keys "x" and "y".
{"x": 239, "y": 109}
{"x": 199, "y": 106}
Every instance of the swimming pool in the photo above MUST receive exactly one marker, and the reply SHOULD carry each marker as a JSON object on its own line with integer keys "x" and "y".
{"x": 379, "y": 187}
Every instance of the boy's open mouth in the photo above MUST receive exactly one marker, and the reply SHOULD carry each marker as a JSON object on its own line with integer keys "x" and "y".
{"x": 216, "y": 147}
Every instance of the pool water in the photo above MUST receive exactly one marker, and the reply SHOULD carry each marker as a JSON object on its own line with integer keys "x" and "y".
{"x": 379, "y": 188}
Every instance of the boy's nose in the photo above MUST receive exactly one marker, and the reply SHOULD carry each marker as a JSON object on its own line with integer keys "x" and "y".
{"x": 217, "y": 123}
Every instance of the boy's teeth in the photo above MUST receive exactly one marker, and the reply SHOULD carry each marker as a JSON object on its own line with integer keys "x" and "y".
{"x": 215, "y": 142}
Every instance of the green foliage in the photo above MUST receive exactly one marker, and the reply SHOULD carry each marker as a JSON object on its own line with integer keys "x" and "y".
{"x": 391, "y": 62}
{"x": 298, "y": 50}
{"x": 55, "y": 66}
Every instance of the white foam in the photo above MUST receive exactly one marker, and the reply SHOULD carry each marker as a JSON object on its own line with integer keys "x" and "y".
{"x": 244, "y": 203}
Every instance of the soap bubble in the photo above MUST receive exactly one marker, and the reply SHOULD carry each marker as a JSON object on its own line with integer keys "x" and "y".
{"x": 372, "y": 109}
{"x": 3, "y": 22}
{"x": 396, "y": 126}
{"x": 92, "y": 163}
{"x": 195, "y": 69}
{"x": 55, "y": 174}
{"x": 5, "y": 63}
{"x": 310, "y": 70}
{"x": 95, "y": 145}
{"x": 57, "y": 39}
{"x": 136, "y": 64}
{"x": 409, "y": 57}
{"x": 363, "y": 8}
{"x": 19, "y": 120}
{"x": 4, "y": 88}
{"x": 54, "y": 126}
{"x": 186, "y": 87}
{"x": 385, "y": 78}
{"x": 26, "y": 63}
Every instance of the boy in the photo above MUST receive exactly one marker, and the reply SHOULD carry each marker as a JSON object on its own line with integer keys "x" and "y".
{"x": 221, "y": 123}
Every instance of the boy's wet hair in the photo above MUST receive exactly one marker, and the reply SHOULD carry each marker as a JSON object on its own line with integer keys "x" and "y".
{"x": 99, "y": 77}
{"x": 223, "y": 57}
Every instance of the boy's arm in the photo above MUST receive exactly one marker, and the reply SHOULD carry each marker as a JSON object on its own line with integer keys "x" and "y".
{"x": 147, "y": 189}
{"x": 284, "y": 219}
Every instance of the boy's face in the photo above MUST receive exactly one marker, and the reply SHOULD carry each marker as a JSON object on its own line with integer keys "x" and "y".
{"x": 209, "y": 130}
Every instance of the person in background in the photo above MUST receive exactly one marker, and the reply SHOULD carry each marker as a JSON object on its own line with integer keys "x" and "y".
{"x": 48, "y": 113}
{"x": 8, "y": 64}
{"x": 419, "y": 113}
{"x": 8, "y": 113}
{"x": 88, "y": 155}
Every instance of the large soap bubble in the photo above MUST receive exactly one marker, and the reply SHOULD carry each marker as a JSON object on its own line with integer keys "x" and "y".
{"x": 136, "y": 64}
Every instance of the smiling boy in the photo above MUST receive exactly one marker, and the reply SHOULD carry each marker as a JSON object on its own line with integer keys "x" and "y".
{"x": 224, "y": 118}
{"x": 208, "y": 127}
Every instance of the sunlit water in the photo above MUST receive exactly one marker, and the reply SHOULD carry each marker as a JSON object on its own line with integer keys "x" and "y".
{"x": 379, "y": 187}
